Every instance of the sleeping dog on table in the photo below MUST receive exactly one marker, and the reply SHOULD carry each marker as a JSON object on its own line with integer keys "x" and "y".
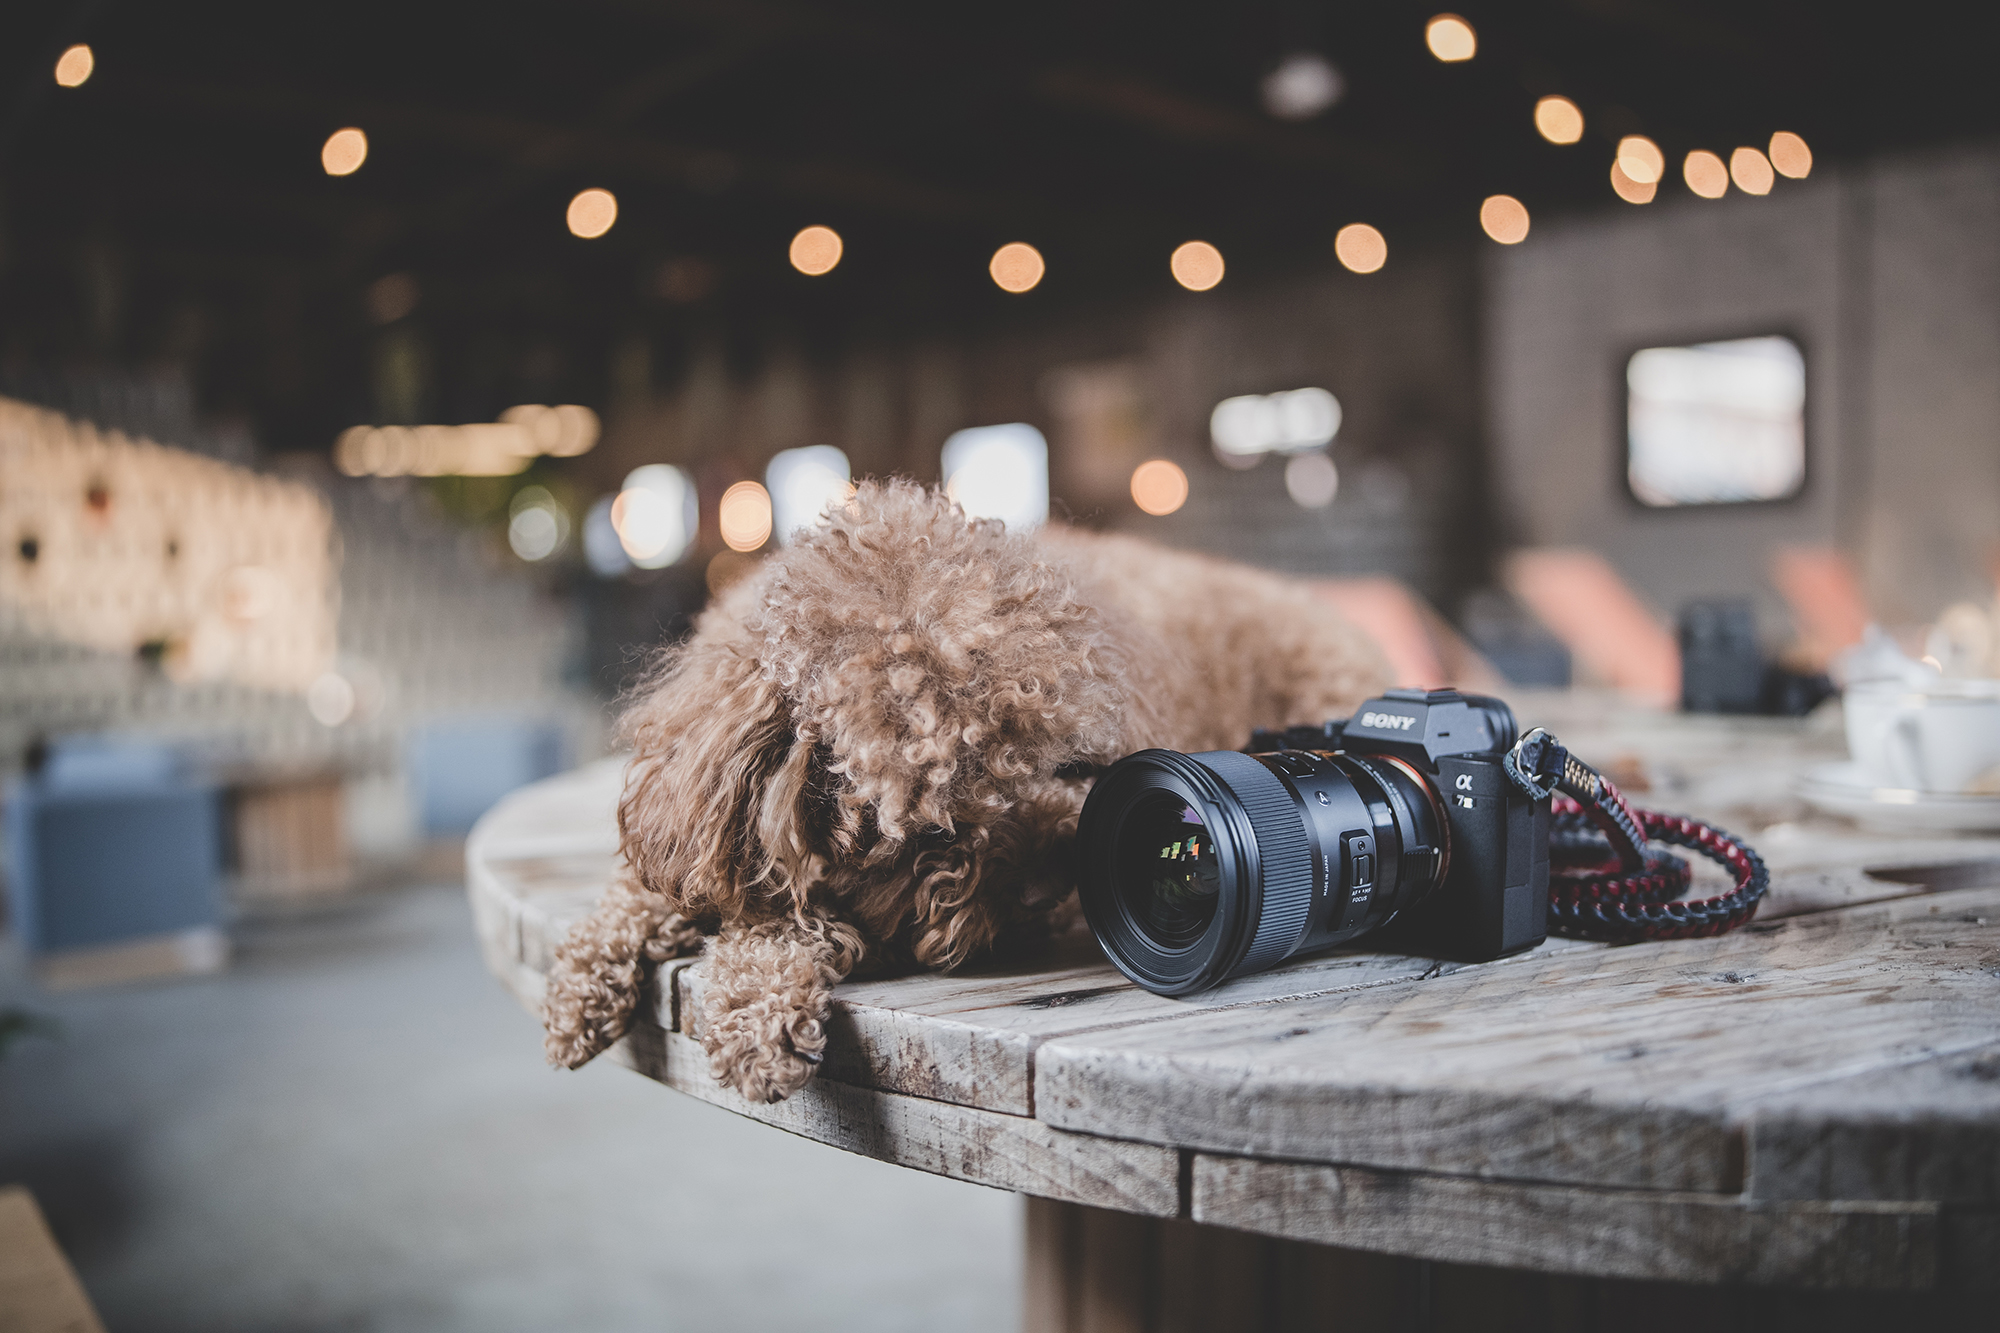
{"x": 875, "y": 747}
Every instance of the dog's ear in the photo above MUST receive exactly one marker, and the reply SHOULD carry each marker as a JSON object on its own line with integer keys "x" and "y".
{"x": 717, "y": 798}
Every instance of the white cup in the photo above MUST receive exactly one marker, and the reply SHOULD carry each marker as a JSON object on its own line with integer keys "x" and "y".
{"x": 1942, "y": 738}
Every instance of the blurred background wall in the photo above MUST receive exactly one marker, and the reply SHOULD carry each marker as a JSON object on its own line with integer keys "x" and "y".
{"x": 1884, "y": 271}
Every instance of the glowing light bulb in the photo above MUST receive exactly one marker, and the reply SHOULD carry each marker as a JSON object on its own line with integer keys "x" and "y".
{"x": 1159, "y": 487}
{"x": 1451, "y": 38}
{"x": 744, "y": 516}
{"x": 1197, "y": 266}
{"x": 1790, "y": 155}
{"x": 343, "y": 152}
{"x": 74, "y": 66}
{"x": 816, "y": 250}
{"x": 1705, "y": 174}
{"x": 1641, "y": 159}
{"x": 1016, "y": 267}
{"x": 1751, "y": 171}
{"x": 1360, "y": 247}
{"x": 1558, "y": 120}
{"x": 591, "y": 213}
{"x": 1631, "y": 191}
{"x": 1504, "y": 218}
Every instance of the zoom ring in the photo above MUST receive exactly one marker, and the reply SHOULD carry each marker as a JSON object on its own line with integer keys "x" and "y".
{"x": 1283, "y": 852}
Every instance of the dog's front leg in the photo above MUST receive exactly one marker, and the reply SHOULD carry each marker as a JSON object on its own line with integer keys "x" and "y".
{"x": 594, "y": 984}
{"x": 768, "y": 987}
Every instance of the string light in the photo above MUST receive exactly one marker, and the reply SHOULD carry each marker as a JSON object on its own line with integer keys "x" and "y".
{"x": 1451, "y": 38}
{"x": 343, "y": 152}
{"x": 1751, "y": 171}
{"x": 74, "y": 66}
{"x": 1505, "y": 219}
{"x": 1159, "y": 487}
{"x": 816, "y": 250}
{"x": 1197, "y": 266}
{"x": 1016, "y": 267}
{"x": 744, "y": 516}
{"x": 1790, "y": 155}
{"x": 1558, "y": 120}
{"x": 1705, "y": 174}
{"x": 591, "y": 213}
{"x": 1631, "y": 191}
{"x": 1360, "y": 247}
{"x": 1641, "y": 159}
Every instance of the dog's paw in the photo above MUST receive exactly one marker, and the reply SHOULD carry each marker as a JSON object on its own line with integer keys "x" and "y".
{"x": 766, "y": 1050}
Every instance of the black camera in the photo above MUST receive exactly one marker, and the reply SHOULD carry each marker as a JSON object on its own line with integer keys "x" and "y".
{"x": 1195, "y": 868}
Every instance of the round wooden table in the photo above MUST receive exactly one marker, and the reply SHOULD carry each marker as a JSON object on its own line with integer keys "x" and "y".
{"x": 1812, "y": 1102}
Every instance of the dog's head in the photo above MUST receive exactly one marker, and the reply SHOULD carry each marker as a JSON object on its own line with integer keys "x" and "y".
{"x": 877, "y": 718}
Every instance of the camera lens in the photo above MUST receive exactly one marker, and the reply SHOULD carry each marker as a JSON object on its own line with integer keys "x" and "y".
{"x": 1167, "y": 873}
{"x": 1197, "y": 868}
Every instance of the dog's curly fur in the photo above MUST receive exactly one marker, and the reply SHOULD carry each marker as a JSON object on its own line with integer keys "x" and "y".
{"x": 866, "y": 750}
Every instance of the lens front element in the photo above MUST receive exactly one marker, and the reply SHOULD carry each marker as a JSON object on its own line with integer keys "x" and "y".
{"x": 1166, "y": 871}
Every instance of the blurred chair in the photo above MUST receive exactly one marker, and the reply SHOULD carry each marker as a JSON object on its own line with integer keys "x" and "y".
{"x": 1423, "y": 649}
{"x": 1609, "y": 632}
{"x": 1825, "y": 599}
{"x": 115, "y": 863}
{"x": 459, "y": 768}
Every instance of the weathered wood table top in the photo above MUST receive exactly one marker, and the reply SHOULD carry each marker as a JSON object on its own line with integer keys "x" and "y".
{"x": 1813, "y": 1100}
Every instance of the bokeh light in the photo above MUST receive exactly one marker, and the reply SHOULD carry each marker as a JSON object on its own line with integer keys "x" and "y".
{"x": 330, "y": 699}
{"x": 999, "y": 472}
{"x": 343, "y": 152}
{"x": 1705, "y": 174}
{"x": 816, "y": 250}
{"x": 1641, "y": 159}
{"x": 1751, "y": 171}
{"x": 603, "y": 550}
{"x": 744, "y": 516}
{"x": 1451, "y": 38}
{"x": 1159, "y": 487}
{"x": 1016, "y": 267}
{"x": 1360, "y": 247}
{"x": 1558, "y": 120}
{"x": 1197, "y": 266}
{"x": 1304, "y": 84}
{"x": 537, "y": 524}
{"x": 654, "y": 515}
{"x": 73, "y": 67}
{"x": 1790, "y": 155}
{"x": 804, "y": 484}
{"x": 1631, "y": 191}
{"x": 591, "y": 213}
{"x": 1504, "y": 218}
{"x": 1245, "y": 428}
{"x": 1312, "y": 480}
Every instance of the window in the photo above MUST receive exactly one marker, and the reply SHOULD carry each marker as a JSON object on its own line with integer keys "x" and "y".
{"x": 1716, "y": 423}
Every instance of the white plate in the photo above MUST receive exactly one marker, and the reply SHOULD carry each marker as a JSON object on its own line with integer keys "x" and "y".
{"x": 1843, "y": 789}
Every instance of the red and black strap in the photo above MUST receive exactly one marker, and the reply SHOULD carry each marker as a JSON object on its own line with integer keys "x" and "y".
{"x": 1606, "y": 880}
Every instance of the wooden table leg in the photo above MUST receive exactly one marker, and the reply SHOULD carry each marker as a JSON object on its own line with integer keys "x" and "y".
{"x": 1089, "y": 1270}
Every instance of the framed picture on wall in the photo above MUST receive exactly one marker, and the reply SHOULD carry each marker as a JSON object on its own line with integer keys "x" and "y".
{"x": 1716, "y": 423}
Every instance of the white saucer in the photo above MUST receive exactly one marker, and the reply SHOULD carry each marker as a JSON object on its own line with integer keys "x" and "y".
{"x": 1843, "y": 789}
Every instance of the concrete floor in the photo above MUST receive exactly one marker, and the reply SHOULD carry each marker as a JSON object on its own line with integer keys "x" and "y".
{"x": 352, "y": 1128}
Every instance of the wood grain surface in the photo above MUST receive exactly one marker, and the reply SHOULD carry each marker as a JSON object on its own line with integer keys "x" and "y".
{"x": 1628, "y": 1067}
{"x": 1004, "y": 1151}
{"x": 1813, "y": 1100}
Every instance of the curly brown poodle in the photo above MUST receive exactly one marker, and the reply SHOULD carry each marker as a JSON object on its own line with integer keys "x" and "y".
{"x": 876, "y": 746}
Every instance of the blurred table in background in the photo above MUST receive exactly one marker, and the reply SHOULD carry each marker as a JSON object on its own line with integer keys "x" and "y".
{"x": 1800, "y": 1119}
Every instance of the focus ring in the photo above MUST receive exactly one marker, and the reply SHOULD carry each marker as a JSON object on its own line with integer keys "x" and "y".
{"x": 1284, "y": 856}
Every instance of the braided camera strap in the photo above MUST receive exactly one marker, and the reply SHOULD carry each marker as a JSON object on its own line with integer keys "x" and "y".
{"x": 1606, "y": 882}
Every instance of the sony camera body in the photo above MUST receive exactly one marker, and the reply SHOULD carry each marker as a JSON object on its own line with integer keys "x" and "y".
{"x": 1493, "y": 898}
{"x": 1195, "y": 868}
